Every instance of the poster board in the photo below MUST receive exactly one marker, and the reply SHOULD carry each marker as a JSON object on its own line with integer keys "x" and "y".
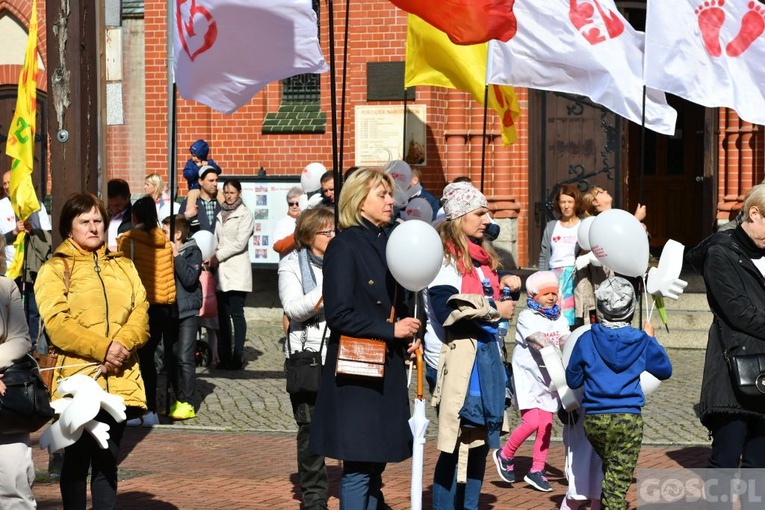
{"x": 380, "y": 134}
{"x": 266, "y": 198}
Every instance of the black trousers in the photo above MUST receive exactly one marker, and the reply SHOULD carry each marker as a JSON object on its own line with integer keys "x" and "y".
{"x": 231, "y": 312}
{"x": 312, "y": 471}
{"x": 737, "y": 439}
{"x": 85, "y": 455}
{"x": 180, "y": 348}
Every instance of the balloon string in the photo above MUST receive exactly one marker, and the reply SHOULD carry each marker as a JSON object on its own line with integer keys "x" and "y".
{"x": 645, "y": 295}
{"x": 650, "y": 313}
{"x": 93, "y": 363}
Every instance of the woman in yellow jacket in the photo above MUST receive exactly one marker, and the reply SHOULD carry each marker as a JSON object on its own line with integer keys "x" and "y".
{"x": 94, "y": 308}
{"x": 147, "y": 246}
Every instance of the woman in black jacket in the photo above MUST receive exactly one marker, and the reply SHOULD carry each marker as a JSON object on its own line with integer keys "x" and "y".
{"x": 733, "y": 265}
{"x": 360, "y": 420}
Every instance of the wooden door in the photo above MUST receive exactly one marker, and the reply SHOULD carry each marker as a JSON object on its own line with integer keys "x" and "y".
{"x": 574, "y": 141}
{"x": 7, "y": 107}
{"x": 673, "y": 179}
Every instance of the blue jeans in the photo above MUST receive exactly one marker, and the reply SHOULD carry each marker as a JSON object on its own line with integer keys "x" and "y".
{"x": 431, "y": 376}
{"x": 360, "y": 485}
{"x": 447, "y": 493}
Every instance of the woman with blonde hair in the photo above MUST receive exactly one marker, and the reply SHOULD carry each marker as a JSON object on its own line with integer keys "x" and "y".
{"x": 470, "y": 386}
{"x": 154, "y": 187}
{"x": 364, "y": 421}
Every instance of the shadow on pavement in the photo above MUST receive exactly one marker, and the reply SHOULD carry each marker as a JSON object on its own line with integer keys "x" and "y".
{"x": 691, "y": 457}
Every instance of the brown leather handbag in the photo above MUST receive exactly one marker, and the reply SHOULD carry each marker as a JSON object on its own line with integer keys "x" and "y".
{"x": 362, "y": 357}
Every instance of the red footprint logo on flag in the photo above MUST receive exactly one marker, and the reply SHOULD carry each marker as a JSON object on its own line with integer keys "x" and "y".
{"x": 711, "y": 18}
{"x": 197, "y": 32}
{"x": 582, "y": 16}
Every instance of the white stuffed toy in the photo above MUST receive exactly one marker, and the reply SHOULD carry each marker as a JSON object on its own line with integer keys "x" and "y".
{"x": 78, "y": 411}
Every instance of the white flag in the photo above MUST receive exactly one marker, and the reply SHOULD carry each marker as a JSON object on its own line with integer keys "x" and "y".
{"x": 711, "y": 53}
{"x": 226, "y": 51}
{"x": 580, "y": 47}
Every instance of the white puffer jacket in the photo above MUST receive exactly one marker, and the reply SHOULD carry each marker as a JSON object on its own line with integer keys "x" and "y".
{"x": 301, "y": 308}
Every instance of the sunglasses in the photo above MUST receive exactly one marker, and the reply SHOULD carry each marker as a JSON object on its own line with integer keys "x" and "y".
{"x": 293, "y": 204}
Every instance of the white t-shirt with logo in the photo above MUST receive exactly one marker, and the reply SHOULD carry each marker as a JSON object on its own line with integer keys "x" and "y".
{"x": 563, "y": 245}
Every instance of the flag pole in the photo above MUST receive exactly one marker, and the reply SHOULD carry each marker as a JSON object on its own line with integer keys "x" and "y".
{"x": 483, "y": 139}
{"x": 640, "y": 191}
{"x": 333, "y": 98}
{"x": 171, "y": 116}
{"x": 339, "y": 169}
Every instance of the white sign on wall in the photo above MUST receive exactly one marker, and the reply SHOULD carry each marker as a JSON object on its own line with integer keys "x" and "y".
{"x": 380, "y": 134}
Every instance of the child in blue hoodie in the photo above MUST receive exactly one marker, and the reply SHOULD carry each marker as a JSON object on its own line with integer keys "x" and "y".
{"x": 608, "y": 361}
{"x": 199, "y": 151}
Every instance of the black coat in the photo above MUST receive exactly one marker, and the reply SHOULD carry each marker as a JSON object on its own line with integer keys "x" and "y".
{"x": 188, "y": 291}
{"x": 362, "y": 419}
{"x": 736, "y": 296}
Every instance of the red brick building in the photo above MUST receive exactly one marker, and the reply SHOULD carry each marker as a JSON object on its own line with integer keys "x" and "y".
{"x": 690, "y": 181}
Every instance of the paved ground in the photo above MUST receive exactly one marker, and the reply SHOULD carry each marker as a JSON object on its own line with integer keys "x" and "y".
{"x": 240, "y": 451}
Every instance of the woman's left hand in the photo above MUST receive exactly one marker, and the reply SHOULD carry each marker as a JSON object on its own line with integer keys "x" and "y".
{"x": 510, "y": 281}
{"x": 413, "y": 346}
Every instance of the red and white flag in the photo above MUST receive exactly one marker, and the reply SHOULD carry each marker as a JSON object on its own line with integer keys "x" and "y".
{"x": 711, "y": 53}
{"x": 580, "y": 47}
{"x": 226, "y": 51}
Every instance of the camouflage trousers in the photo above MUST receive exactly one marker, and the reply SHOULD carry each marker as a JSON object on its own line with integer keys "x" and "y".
{"x": 617, "y": 439}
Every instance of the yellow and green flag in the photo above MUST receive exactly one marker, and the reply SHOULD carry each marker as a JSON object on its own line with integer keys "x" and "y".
{"x": 432, "y": 59}
{"x": 21, "y": 143}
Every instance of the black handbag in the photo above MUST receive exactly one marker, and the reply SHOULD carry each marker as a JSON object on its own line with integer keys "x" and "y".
{"x": 747, "y": 371}
{"x": 303, "y": 369}
{"x": 25, "y": 407}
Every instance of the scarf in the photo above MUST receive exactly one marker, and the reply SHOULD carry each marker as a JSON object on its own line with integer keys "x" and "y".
{"x": 471, "y": 281}
{"x": 549, "y": 313}
{"x": 746, "y": 244}
{"x": 307, "y": 276}
{"x": 227, "y": 209}
{"x": 613, "y": 324}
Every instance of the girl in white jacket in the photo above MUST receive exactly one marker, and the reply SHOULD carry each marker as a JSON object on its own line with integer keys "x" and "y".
{"x": 538, "y": 326}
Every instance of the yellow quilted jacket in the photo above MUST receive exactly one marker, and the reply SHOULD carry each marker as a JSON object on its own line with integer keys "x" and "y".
{"x": 105, "y": 303}
{"x": 153, "y": 258}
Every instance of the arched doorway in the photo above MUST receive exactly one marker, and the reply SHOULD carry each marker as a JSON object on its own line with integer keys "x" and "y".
{"x": 8, "y": 95}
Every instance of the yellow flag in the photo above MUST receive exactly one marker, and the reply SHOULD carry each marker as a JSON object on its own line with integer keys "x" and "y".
{"x": 432, "y": 59}
{"x": 21, "y": 143}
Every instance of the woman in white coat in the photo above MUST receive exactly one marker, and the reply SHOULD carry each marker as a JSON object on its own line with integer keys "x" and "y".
{"x": 233, "y": 272}
{"x": 300, "y": 290}
{"x": 17, "y": 471}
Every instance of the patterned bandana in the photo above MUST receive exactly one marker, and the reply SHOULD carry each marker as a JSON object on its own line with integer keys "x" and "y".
{"x": 549, "y": 313}
{"x": 460, "y": 198}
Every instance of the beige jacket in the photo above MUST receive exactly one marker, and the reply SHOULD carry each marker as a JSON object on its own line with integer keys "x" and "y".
{"x": 454, "y": 367}
{"x": 234, "y": 271}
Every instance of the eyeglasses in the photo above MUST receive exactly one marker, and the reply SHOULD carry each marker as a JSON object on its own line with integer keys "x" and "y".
{"x": 293, "y": 204}
{"x": 329, "y": 233}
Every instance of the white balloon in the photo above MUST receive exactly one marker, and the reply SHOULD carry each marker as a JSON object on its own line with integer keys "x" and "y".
{"x": 619, "y": 242}
{"x": 206, "y": 242}
{"x": 310, "y": 179}
{"x": 414, "y": 237}
{"x": 551, "y": 357}
{"x": 568, "y": 347}
{"x": 648, "y": 382}
{"x": 400, "y": 198}
{"x": 583, "y": 233}
{"x": 164, "y": 211}
{"x": 419, "y": 209}
{"x": 401, "y": 173}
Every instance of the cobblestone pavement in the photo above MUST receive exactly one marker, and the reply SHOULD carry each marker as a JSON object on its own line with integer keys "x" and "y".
{"x": 239, "y": 451}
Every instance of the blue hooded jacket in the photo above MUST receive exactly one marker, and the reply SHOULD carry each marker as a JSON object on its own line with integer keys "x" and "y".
{"x": 608, "y": 363}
